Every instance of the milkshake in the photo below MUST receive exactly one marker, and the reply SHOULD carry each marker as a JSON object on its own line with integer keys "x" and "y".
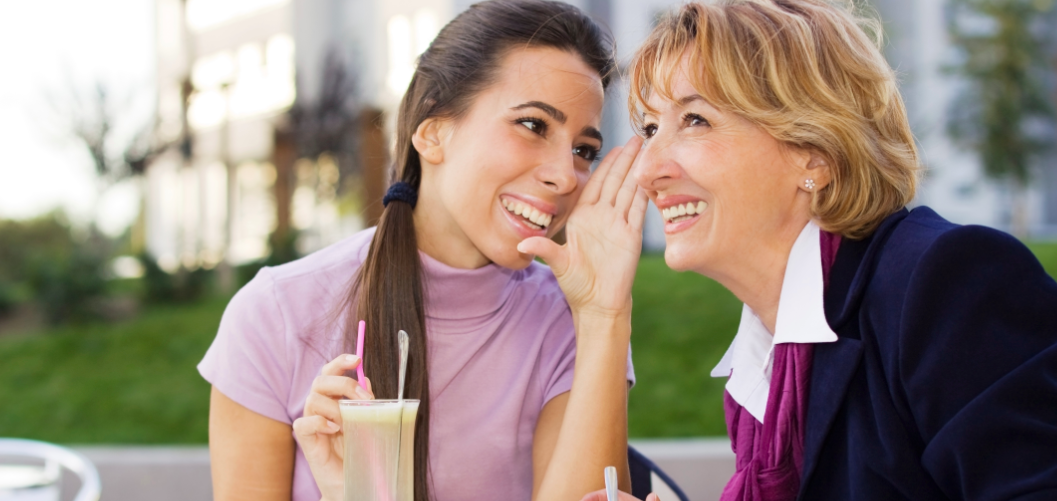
{"x": 378, "y": 466}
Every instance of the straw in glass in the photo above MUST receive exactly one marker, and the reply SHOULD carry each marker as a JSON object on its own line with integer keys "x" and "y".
{"x": 359, "y": 353}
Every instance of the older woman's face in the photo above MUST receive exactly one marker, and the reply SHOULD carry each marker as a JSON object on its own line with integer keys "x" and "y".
{"x": 725, "y": 187}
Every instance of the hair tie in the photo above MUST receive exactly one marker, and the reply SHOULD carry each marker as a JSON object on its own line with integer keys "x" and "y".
{"x": 403, "y": 192}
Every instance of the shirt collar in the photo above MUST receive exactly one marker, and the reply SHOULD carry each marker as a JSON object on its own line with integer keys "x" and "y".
{"x": 801, "y": 319}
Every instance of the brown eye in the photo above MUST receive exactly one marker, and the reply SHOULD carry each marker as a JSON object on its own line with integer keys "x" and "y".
{"x": 647, "y": 131}
{"x": 695, "y": 120}
{"x": 586, "y": 152}
{"x": 533, "y": 124}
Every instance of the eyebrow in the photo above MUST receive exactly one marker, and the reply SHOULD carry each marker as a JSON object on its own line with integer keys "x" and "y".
{"x": 683, "y": 101}
{"x": 592, "y": 133}
{"x": 555, "y": 113}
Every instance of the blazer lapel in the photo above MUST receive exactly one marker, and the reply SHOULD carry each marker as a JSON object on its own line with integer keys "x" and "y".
{"x": 834, "y": 364}
{"x": 833, "y": 367}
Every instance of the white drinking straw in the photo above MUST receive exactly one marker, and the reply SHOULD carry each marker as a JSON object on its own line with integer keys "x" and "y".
{"x": 611, "y": 483}
{"x": 404, "y": 342}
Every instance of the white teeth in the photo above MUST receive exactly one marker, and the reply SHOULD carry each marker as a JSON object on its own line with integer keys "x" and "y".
{"x": 530, "y": 213}
{"x": 683, "y": 212}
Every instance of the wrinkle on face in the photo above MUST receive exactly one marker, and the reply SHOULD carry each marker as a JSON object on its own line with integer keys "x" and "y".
{"x": 749, "y": 179}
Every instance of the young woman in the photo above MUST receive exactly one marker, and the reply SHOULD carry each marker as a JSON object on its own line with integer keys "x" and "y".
{"x": 495, "y": 139}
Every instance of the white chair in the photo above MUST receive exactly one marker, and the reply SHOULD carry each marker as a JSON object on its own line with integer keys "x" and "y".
{"x": 41, "y": 483}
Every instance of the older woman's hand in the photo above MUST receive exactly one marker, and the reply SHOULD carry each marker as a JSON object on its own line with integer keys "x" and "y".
{"x": 596, "y": 266}
{"x": 319, "y": 430}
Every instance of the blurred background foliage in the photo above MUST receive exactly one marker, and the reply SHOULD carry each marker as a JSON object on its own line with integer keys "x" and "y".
{"x": 47, "y": 266}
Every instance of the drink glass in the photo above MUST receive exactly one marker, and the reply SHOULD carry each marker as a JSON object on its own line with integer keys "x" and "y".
{"x": 405, "y": 487}
{"x": 378, "y": 465}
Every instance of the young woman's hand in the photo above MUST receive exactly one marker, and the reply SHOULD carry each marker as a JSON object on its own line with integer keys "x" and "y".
{"x": 319, "y": 430}
{"x": 596, "y": 266}
{"x": 623, "y": 496}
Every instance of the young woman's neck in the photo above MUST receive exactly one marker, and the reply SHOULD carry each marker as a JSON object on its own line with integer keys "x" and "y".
{"x": 442, "y": 239}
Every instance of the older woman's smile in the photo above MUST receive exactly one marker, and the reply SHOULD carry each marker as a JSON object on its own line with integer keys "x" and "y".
{"x": 680, "y": 212}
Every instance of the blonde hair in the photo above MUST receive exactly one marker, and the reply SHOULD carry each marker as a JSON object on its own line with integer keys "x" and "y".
{"x": 807, "y": 73}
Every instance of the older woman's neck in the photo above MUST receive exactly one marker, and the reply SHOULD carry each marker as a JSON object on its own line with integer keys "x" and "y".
{"x": 757, "y": 275}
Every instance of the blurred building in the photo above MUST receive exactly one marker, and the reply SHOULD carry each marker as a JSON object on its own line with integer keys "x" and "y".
{"x": 919, "y": 49}
{"x": 239, "y": 66}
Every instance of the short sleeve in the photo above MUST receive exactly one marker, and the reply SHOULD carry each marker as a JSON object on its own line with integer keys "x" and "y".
{"x": 978, "y": 364}
{"x": 559, "y": 358}
{"x": 248, "y": 361}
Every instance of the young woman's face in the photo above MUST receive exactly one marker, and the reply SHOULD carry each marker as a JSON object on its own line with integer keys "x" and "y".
{"x": 514, "y": 165}
{"x": 726, "y": 188}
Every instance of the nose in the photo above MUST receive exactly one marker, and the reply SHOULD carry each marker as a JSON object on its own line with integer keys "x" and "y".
{"x": 559, "y": 173}
{"x": 656, "y": 167}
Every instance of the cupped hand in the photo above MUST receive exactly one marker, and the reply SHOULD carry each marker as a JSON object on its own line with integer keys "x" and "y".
{"x": 623, "y": 496}
{"x": 319, "y": 430}
{"x": 596, "y": 266}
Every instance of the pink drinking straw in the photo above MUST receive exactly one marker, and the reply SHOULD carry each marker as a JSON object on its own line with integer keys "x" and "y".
{"x": 359, "y": 353}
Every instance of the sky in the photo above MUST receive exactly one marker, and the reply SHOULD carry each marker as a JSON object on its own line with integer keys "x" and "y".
{"x": 51, "y": 50}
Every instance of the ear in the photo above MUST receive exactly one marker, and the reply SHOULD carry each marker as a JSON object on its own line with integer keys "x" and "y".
{"x": 430, "y": 139}
{"x": 817, "y": 169}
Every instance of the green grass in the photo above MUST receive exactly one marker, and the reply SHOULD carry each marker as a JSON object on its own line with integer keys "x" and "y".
{"x": 1047, "y": 254}
{"x": 682, "y": 323}
{"x": 133, "y": 382}
{"x": 136, "y": 383}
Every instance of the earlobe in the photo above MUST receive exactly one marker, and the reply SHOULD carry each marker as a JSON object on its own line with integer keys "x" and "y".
{"x": 817, "y": 173}
{"x": 428, "y": 140}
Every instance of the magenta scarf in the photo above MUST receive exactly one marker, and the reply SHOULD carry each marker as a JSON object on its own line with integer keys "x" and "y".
{"x": 770, "y": 456}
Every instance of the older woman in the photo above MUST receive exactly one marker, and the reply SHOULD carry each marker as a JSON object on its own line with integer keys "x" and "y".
{"x": 883, "y": 353}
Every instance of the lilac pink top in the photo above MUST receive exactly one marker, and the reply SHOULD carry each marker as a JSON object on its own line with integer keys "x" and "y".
{"x": 501, "y": 345}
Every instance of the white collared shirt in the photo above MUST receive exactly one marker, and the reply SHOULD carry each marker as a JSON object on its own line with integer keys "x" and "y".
{"x": 801, "y": 319}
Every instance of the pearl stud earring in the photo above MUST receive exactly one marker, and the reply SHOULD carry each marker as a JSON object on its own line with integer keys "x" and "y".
{"x": 810, "y": 183}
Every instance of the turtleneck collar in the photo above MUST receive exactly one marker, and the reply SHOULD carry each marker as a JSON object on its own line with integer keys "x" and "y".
{"x": 456, "y": 293}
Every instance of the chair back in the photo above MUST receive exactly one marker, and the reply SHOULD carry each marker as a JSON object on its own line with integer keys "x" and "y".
{"x": 642, "y": 472}
{"x": 41, "y": 483}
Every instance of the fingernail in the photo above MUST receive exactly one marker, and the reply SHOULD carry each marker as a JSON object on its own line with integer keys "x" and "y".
{"x": 351, "y": 358}
{"x": 520, "y": 248}
{"x": 333, "y": 426}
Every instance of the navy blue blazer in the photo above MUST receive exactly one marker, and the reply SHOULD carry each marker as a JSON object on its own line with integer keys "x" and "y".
{"x": 943, "y": 383}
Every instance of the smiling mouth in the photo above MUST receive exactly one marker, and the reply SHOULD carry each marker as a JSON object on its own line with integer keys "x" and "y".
{"x": 528, "y": 214}
{"x": 683, "y": 212}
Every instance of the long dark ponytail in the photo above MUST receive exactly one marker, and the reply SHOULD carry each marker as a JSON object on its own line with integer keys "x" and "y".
{"x": 461, "y": 62}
